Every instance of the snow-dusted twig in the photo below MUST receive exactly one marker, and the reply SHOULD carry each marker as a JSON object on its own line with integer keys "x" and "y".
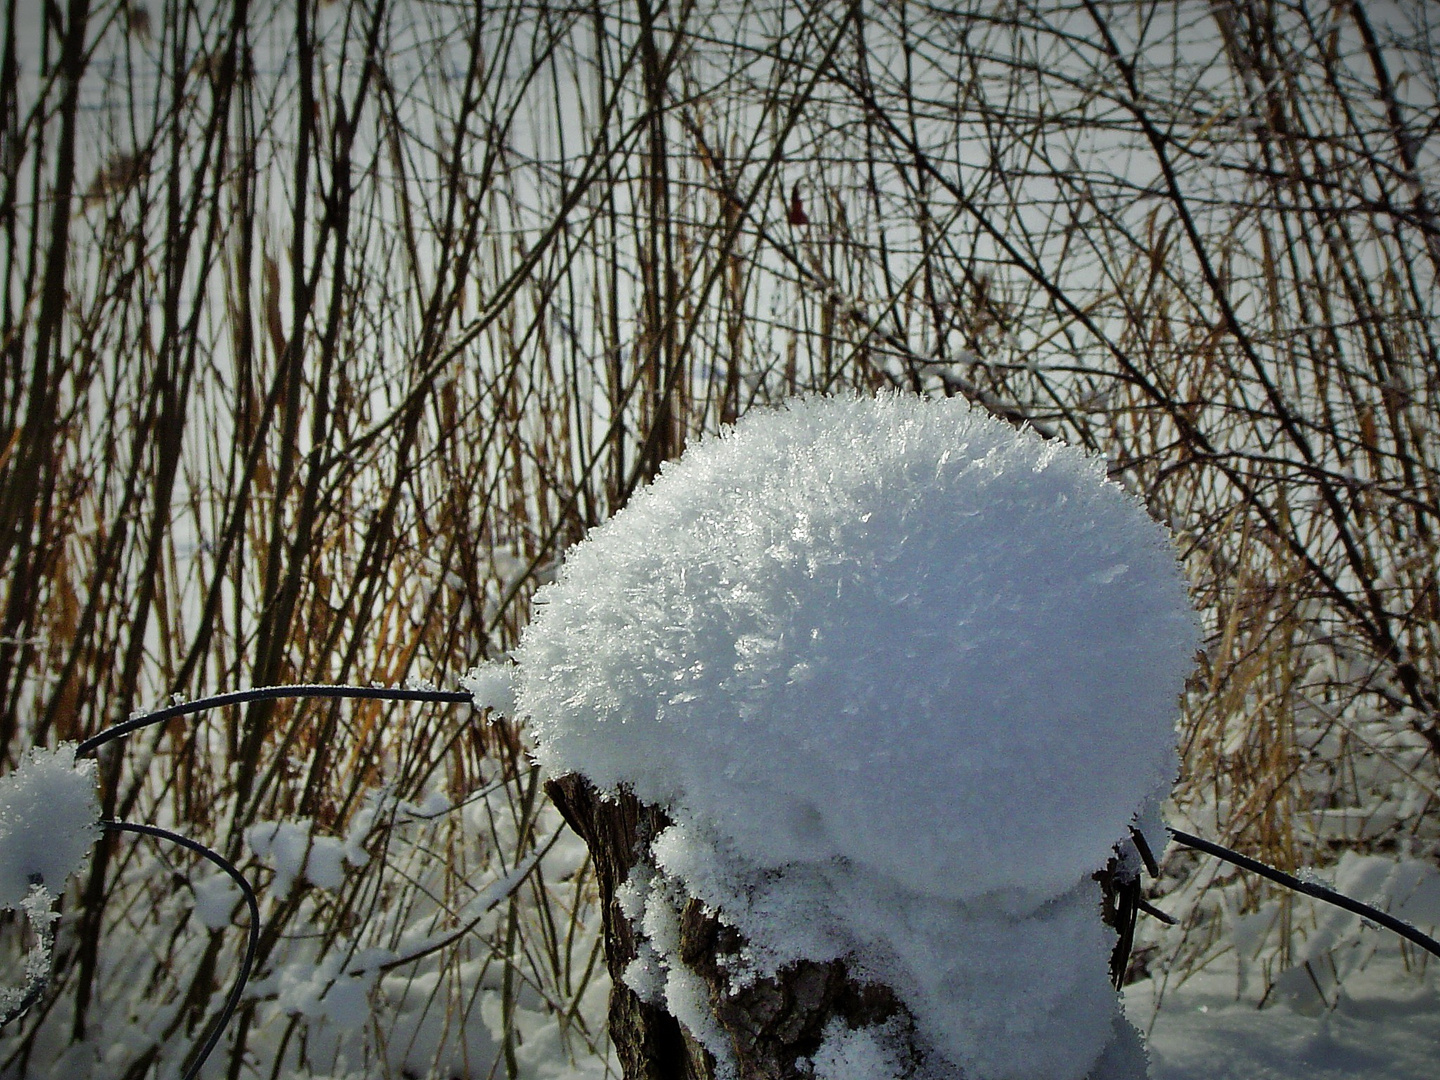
{"x": 482, "y": 904}
{"x": 39, "y": 910}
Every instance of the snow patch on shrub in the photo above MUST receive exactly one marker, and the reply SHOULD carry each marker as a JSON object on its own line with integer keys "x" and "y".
{"x": 216, "y": 897}
{"x": 295, "y": 853}
{"x": 49, "y": 819}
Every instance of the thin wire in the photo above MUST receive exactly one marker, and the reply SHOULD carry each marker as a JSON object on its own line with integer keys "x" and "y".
{"x": 239, "y": 697}
{"x": 252, "y": 946}
{"x": 1311, "y": 888}
{"x": 259, "y": 693}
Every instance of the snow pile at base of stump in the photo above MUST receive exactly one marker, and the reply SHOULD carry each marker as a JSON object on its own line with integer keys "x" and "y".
{"x": 902, "y": 677}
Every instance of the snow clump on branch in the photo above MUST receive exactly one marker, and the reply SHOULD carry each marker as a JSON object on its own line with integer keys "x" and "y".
{"x": 902, "y": 677}
{"x": 49, "y": 820}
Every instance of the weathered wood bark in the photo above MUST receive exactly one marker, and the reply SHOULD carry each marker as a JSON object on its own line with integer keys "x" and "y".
{"x": 770, "y": 1025}
{"x": 649, "y": 1042}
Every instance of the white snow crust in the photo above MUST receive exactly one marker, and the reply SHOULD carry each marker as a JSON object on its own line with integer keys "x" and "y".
{"x": 866, "y": 1053}
{"x": 49, "y": 819}
{"x": 1378, "y": 1024}
{"x": 902, "y": 677}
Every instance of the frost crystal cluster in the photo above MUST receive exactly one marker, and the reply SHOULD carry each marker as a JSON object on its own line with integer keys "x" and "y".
{"x": 902, "y": 677}
{"x": 49, "y": 819}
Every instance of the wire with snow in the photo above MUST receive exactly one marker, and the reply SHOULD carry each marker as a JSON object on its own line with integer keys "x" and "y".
{"x": 50, "y": 819}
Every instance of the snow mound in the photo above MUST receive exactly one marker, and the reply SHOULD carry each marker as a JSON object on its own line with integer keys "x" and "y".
{"x": 49, "y": 819}
{"x": 900, "y": 674}
{"x": 855, "y": 616}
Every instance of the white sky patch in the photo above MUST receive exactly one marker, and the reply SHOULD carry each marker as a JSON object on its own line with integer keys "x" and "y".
{"x": 903, "y": 677}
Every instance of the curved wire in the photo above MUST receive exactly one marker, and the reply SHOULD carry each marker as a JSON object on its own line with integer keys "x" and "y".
{"x": 260, "y": 693}
{"x": 238, "y": 697}
{"x": 1311, "y": 888}
{"x": 252, "y": 945}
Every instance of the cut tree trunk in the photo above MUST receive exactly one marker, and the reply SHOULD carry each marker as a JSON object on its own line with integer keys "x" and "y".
{"x": 772, "y": 1026}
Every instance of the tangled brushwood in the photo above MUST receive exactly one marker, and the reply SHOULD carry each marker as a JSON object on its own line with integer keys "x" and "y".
{"x": 329, "y": 327}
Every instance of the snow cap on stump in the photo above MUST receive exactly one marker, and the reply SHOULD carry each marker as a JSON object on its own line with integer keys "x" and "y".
{"x": 889, "y": 629}
{"x": 895, "y": 649}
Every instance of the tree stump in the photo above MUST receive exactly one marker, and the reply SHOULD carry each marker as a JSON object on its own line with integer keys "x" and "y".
{"x": 773, "y": 1025}
{"x": 887, "y": 681}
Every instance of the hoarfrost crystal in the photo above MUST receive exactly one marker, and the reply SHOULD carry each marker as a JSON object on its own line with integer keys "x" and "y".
{"x": 902, "y": 677}
{"x": 49, "y": 819}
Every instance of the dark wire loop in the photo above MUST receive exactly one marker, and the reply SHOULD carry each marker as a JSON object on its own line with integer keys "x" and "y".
{"x": 236, "y": 697}
{"x": 1312, "y": 888}
{"x": 262, "y": 693}
{"x": 252, "y": 946}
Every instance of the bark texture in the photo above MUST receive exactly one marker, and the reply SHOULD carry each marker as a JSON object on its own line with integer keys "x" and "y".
{"x": 770, "y": 1025}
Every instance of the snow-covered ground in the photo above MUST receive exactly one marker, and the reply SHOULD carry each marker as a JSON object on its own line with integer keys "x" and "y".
{"x": 1386, "y": 1024}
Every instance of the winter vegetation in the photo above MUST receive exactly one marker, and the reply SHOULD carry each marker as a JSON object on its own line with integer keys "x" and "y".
{"x": 328, "y": 328}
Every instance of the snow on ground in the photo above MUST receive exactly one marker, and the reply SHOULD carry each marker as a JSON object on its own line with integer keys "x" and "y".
{"x": 1347, "y": 999}
{"x": 1385, "y": 1025}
